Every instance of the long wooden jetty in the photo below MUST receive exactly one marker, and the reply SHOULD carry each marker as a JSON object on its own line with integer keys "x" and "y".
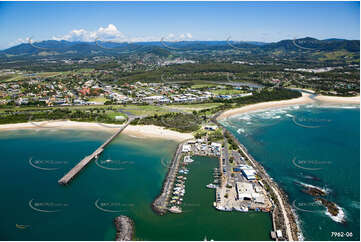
{"x": 76, "y": 169}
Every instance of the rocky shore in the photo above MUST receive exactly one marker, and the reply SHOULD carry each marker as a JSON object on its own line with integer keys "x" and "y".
{"x": 331, "y": 207}
{"x": 124, "y": 227}
{"x": 313, "y": 191}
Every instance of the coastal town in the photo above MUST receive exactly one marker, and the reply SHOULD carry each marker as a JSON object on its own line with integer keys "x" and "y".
{"x": 180, "y": 121}
{"x": 44, "y": 92}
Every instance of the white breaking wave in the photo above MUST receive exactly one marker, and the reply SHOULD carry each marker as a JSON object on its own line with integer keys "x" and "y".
{"x": 340, "y": 217}
{"x": 245, "y": 117}
{"x": 325, "y": 190}
{"x": 241, "y": 131}
{"x": 356, "y": 106}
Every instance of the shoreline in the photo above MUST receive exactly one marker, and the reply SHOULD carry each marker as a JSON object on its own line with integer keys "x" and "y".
{"x": 305, "y": 99}
{"x": 291, "y": 221}
{"x": 135, "y": 131}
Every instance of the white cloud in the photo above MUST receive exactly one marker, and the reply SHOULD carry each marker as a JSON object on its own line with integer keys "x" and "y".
{"x": 19, "y": 41}
{"x": 109, "y": 33}
{"x": 180, "y": 37}
{"x": 103, "y": 33}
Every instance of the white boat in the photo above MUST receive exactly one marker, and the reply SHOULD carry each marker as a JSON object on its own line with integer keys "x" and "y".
{"x": 175, "y": 209}
{"x": 228, "y": 209}
{"x": 220, "y": 208}
{"x": 211, "y": 185}
{"x": 188, "y": 159}
{"x": 241, "y": 209}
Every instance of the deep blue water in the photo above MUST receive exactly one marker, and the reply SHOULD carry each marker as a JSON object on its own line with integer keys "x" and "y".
{"x": 315, "y": 145}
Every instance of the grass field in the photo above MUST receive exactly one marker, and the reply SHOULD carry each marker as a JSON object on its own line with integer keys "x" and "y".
{"x": 203, "y": 85}
{"x": 197, "y": 107}
{"x": 18, "y": 77}
{"x": 98, "y": 99}
{"x": 227, "y": 92}
{"x": 144, "y": 110}
{"x": 138, "y": 110}
{"x": 334, "y": 55}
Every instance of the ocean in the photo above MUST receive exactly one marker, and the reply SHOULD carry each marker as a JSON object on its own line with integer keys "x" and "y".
{"x": 310, "y": 145}
{"x": 124, "y": 180}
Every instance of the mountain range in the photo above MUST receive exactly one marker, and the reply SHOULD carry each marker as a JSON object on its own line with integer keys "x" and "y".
{"x": 67, "y": 49}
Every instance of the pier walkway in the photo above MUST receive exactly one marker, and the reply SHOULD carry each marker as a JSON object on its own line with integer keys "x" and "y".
{"x": 76, "y": 169}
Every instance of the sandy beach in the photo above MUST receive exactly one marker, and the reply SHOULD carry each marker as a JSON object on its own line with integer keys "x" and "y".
{"x": 305, "y": 99}
{"x": 138, "y": 131}
{"x": 345, "y": 100}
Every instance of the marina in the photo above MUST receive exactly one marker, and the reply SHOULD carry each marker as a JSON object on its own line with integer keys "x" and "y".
{"x": 234, "y": 183}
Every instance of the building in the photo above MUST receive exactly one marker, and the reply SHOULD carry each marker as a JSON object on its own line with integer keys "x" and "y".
{"x": 186, "y": 148}
{"x": 248, "y": 172}
{"x": 279, "y": 233}
{"x": 244, "y": 190}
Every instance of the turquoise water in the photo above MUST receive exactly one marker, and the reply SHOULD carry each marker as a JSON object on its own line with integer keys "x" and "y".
{"x": 315, "y": 145}
{"x": 84, "y": 210}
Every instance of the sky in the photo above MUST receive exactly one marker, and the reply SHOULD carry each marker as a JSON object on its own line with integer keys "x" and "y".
{"x": 176, "y": 21}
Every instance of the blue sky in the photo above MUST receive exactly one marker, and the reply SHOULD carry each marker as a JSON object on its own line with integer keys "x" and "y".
{"x": 149, "y": 21}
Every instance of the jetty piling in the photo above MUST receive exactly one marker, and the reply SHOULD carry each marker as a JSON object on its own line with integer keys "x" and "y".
{"x": 84, "y": 162}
